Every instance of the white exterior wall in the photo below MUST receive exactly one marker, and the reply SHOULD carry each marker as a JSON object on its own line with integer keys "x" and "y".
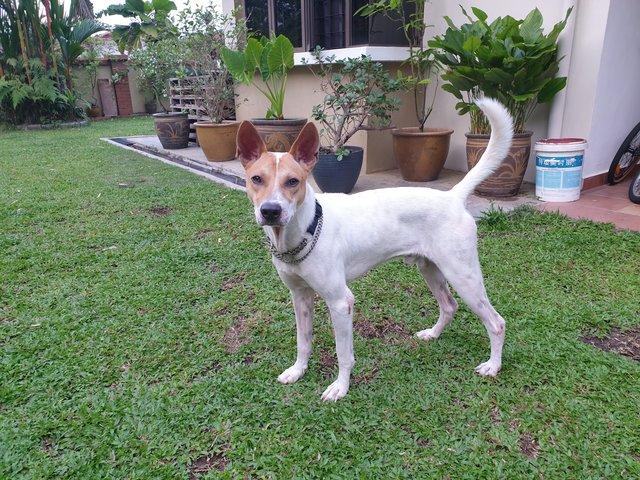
{"x": 602, "y": 62}
{"x": 616, "y": 105}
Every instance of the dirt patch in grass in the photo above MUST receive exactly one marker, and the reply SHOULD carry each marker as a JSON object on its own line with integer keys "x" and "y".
{"x": 205, "y": 463}
{"x": 385, "y": 329}
{"x": 232, "y": 282}
{"x": 365, "y": 378}
{"x": 528, "y": 445}
{"x": 626, "y": 343}
{"x": 327, "y": 363}
{"x": 203, "y": 233}
{"x": 205, "y": 372}
{"x": 236, "y": 337}
{"x": 160, "y": 211}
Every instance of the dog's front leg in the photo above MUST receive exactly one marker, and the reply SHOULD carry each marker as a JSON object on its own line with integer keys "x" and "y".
{"x": 341, "y": 308}
{"x": 303, "y": 307}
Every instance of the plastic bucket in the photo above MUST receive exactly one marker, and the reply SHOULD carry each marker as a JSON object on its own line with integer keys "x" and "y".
{"x": 559, "y": 169}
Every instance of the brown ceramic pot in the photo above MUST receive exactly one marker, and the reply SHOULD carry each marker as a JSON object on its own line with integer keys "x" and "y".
{"x": 172, "y": 129}
{"x": 217, "y": 140}
{"x": 420, "y": 155}
{"x": 506, "y": 180}
{"x": 279, "y": 135}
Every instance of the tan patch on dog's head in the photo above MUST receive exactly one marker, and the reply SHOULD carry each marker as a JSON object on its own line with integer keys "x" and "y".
{"x": 275, "y": 175}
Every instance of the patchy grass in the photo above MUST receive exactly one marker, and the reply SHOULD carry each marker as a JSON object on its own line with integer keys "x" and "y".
{"x": 142, "y": 330}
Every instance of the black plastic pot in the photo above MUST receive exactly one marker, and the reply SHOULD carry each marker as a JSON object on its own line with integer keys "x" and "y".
{"x": 338, "y": 176}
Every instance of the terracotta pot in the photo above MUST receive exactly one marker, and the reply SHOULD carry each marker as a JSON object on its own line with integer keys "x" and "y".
{"x": 506, "y": 180}
{"x": 172, "y": 129}
{"x": 279, "y": 135}
{"x": 93, "y": 111}
{"x": 217, "y": 140}
{"x": 420, "y": 156}
{"x": 338, "y": 176}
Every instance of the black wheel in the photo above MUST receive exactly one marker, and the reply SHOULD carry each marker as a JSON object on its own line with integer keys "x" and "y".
{"x": 634, "y": 189}
{"x": 626, "y": 157}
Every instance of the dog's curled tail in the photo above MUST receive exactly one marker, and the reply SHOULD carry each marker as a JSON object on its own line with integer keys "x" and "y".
{"x": 499, "y": 144}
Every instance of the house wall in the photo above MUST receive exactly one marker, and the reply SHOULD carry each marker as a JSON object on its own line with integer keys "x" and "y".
{"x": 138, "y": 98}
{"x": 601, "y": 45}
{"x": 616, "y": 101}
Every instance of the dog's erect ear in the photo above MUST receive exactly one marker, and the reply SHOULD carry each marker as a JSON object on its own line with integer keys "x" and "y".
{"x": 305, "y": 149}
{"x": 250, "y": 145}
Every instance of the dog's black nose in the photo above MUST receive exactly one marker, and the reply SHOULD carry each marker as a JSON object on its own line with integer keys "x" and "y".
{"x": 271, "y": 212}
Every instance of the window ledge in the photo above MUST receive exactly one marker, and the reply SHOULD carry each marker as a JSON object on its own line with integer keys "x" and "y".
{"x": 379, "y": 54}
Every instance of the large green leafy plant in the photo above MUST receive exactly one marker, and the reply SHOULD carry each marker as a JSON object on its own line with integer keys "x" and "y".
{"x": 272, "y": 60}
{"x": 511, "y": 60}
{"x": 358, "y": 93}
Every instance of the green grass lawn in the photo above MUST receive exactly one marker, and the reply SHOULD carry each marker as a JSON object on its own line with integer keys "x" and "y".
{"x": 142, "y": 327}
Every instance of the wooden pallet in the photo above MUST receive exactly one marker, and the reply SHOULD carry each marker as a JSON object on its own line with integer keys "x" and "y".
{"x": 183, "y": 99}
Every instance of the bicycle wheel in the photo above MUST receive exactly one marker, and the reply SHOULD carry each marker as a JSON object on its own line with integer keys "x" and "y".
{"x": 626, "y": 157}
{"x": 634, "y": 189}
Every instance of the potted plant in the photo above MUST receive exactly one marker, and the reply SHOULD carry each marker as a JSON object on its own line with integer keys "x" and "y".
{"x": 271, "y": 59}
{"x": 212, "y": 85}
{"x": 155, "y": 63}
{"x": 357, "y": 94}
{"x": 419, "y": 152}
{"x": 510, "y": 60}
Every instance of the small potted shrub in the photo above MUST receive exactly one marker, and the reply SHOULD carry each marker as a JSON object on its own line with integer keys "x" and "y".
{"x": 357, "y": 94}
{"x": 271, "y": 60}
{"x": 155, "y": 63}
{"x": 419, "y": 152}
{"x": 510, "y": 60}
{"x": 212, "y": 84}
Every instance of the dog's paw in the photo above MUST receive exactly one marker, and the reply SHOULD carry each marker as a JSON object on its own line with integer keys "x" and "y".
{"x": 427, "y": 334}
{"x": 335, "y": 391}
{"x": 292, "y": 374}
{"x": 488, "y": 369}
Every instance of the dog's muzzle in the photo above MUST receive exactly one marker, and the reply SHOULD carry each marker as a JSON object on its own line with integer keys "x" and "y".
{"x": 271, "y": 213}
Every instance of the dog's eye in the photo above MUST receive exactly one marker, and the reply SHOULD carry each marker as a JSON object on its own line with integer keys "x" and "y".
{"x": 292, "y": 182}
{"x": 256, "y": 179}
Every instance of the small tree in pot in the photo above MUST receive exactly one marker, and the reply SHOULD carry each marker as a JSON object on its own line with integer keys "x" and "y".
{"x": 510, "y": 60}
{"x": 212, "y": 85}
{"x": 357, "y": 94}
{"x": 420, "y": 152}
{"x": 265, "y": 64}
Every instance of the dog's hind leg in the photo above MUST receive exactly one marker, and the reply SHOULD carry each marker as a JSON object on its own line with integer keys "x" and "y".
{"x": 438, "y": 286}
{"x": 303, "y": 307}
{"x": 470, "y": 287}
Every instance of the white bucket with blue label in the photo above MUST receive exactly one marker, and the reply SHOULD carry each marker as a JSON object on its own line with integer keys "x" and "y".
{"x": 559, "y": 169}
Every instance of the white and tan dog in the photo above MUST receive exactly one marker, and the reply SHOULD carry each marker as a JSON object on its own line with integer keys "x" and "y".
{"x": 322, "y": 242}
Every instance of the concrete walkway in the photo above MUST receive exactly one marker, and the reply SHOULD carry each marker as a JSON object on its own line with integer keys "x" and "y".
{"x": 231, "y": 174}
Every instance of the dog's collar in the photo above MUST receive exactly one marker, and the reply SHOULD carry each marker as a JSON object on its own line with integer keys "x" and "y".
{"x": 314, "y": 229}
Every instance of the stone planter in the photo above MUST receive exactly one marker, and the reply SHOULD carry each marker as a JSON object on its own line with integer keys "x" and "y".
{"x": 420, "y": 155}
{"x": 172, "y": 129}
{"x": 506, "y": 180}
{"x": 279, "y": 135}
{"x": 218, "y": 140}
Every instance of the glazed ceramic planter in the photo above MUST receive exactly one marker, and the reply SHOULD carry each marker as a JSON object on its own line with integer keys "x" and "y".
{"x": 172, "y": 129}
{"x": 507, "y": 179}
{"x": 217, "y": 140}
{"x": 279, "y": 135}
{"x": 420, "y": 155}
{"x": 338, "y": 176}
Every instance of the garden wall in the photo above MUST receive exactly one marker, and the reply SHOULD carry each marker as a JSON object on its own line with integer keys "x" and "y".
{"x": 135, "y": 104}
